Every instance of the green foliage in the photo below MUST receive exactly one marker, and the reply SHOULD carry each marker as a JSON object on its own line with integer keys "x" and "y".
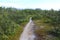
{"x": 12, "y": 18}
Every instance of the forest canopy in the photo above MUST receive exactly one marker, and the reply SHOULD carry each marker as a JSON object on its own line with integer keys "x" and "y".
{"x": 12, "y": 18}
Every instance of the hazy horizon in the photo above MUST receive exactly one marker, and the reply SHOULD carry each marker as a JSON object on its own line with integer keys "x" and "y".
{"x": 31, "y": 4}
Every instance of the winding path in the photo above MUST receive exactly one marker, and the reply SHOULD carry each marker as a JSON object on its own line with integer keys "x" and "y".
{"x": 28, "y": 32}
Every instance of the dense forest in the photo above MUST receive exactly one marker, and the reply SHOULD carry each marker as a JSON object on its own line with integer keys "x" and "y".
{"x": 13, "y": 20}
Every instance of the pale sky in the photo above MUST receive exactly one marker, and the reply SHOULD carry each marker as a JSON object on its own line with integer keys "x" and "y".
{"x": 43, "y": 4}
